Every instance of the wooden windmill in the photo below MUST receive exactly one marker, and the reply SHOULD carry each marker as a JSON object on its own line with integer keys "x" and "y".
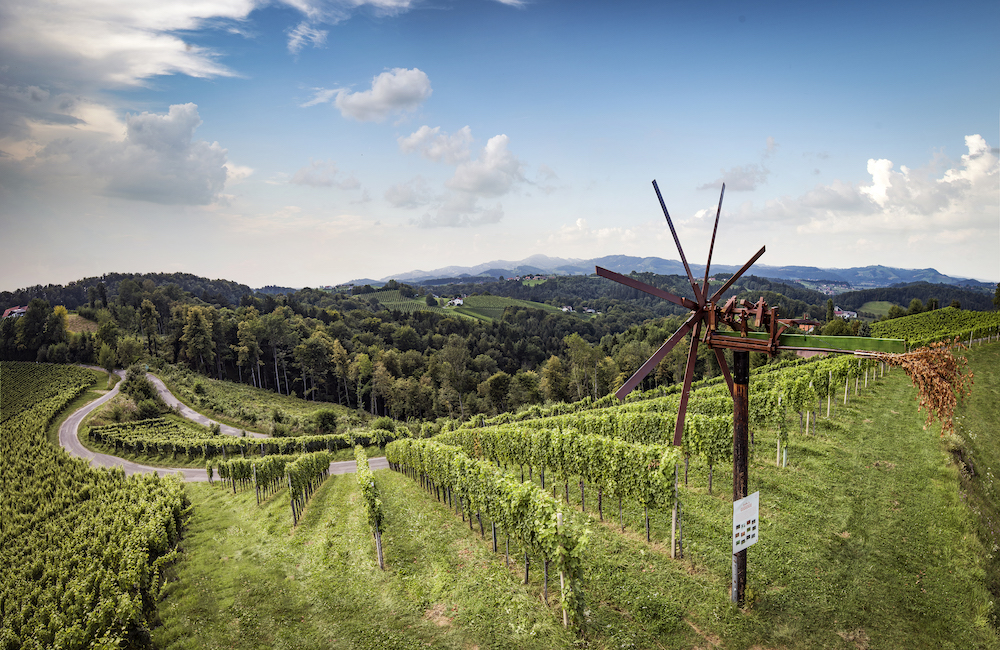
{"x": 768, "y": 336}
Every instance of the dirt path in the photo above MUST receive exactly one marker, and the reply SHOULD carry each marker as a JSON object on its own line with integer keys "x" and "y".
{"x": 70, "y": 441}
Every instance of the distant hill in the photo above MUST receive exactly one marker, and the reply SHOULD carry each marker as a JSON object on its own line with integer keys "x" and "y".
{"x": 856, "y": 278}
{"x": 74, "y": 294}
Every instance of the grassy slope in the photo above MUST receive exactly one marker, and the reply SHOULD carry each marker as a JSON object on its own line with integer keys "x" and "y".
{"x": 877, "y": 307}
{"x": 865, "y": 543}
{"x": 240, "y": 400}
{"x": 977, "y": 424}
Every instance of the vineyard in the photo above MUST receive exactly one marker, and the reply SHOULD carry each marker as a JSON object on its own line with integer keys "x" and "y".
{"x": 166, "y": 438}
{"x": 490, "y": 308}
{"x": 83, "y": 550}
{"x": 392, "y": 300}
{"x": 949, "y": 323}
{"x": 580, "y": 515}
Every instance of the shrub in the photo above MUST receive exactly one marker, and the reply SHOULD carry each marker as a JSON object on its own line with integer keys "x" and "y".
{"x": 326, "y": 421}
{"x": 147, "y": 409}
{"x": 384, "y": 423}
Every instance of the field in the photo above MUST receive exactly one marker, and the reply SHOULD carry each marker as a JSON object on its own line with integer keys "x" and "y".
{"x": 393, "y": 301}
{"x": 865, "y": 542}
{"x": 878, "y": 307}
{"x": 491, "y": 308}
{"x": 77, "y": 323}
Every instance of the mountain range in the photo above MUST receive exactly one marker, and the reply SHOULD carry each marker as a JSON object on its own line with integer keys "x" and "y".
{"x": 864, "y": 277}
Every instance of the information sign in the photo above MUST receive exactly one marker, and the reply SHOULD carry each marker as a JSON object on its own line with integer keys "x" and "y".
{"x": 745, "y": 513}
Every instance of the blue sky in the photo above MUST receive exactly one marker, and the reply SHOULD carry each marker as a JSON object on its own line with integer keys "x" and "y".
{"x": 305, "y": 143}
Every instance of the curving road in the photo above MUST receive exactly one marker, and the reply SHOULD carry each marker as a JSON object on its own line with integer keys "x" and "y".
{"x": 70, "y": 441}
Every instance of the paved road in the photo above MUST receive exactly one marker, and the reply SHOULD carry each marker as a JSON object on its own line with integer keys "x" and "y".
{"x": 193, "y": 415}
{"x": 69, "y": 440}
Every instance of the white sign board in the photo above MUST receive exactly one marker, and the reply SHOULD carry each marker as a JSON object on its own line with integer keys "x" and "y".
{"x": 745, "y": 522}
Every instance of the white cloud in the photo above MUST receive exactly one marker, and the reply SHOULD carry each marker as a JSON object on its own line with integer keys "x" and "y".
{"x": 917, "y": 215}
{"x": 437, "y": 146}
{"x": 236, "y": 174}
{"x": 305, "y": 33}
{"x": 110, "y": 43}
{"x": 461, "y": 211}
{"x": 744, "y": 178}
{"x": 398, "y": 90}
{"x": 494, "y": 173}
{"x": 159, "y": 161}
{"x": 324, "y": 173}
{"x": 411, "y": 194}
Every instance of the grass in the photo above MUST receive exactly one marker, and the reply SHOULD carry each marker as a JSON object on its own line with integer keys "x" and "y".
{"x": 246, "y": 407}
{"x": 77, "y": 323}
{"x": 490, "y": 308}
{"x": 865, "y": 542}
{"x": 976, "y": 449}
{"x": 247, "y": 580}
{"x": 878, "y": 307}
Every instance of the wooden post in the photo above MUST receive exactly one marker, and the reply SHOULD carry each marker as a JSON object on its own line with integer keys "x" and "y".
{"x": 673, "y": 521}
{"x": 741, "y": 422}
{"x": 562, "y": 577}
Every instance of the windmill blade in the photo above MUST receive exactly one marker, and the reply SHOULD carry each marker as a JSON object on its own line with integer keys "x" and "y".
{"x": 665, "y": 349}
{"x": 711, "y": 246}
{"x": 694, "y": 285}
{"x": 720, "y": 356}
{"x": 737, "y": 275}
{"x": 647, "y": 288}
{"x": 686, "y": 391}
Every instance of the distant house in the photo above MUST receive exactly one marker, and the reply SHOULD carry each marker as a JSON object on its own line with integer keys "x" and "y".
{"x": 567, "y": 309}
{"x": 15, "y": 312}
{"x": 457, "y": 302}
{"x": 846, "y": 315}
{"x": 588, "y": 310}
{"x": 804, "y": 324}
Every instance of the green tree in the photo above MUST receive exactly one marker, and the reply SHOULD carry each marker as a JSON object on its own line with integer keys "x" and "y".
{"x": 496, "y": 389}
{"x": 314, "y": 358}
{"x": 583, "y": 361}
{"x": 197, "y": 338}
{"x": 829, "y": 310}
{"x": 106, "y": 359}
{"x": 996, "y": 297}
{"x": 837, "y": 327}
{"x": 55, "y": 326}
{"x": 554, "y": 385}
{"x": 149, "y": 318}
{"x": 895, "y": 311}
{"x": 916, "y": 307}
{"x": 31, "y": 326}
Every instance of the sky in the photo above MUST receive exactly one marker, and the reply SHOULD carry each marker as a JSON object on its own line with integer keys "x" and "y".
{"x": 312, "y": 142}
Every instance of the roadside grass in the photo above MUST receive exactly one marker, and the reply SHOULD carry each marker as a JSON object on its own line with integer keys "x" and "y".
{"x": 976, "y": 450}
{"x": 96, "y": 390}
{"x": 246, "y": 407}
{"x": 878, "y": 307}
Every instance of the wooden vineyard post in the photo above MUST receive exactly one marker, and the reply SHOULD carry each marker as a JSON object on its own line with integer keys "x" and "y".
{"x": 741, "y": 421}
{"x": 562, "y": 577}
